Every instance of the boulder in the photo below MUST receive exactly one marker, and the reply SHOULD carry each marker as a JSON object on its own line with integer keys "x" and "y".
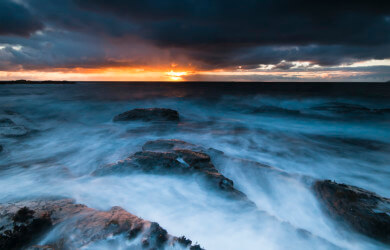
{"x": 150, "y": 114}
{"x": 362, "y": 210}
{"x": 72, "y": 226}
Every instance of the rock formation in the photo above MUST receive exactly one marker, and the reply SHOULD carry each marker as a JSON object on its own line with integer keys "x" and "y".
{"x": 364, "y": 211}
{"x": 25, "y": 223}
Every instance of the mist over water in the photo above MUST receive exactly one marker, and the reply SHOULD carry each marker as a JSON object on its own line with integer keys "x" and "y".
{"x": 309, "y": 134}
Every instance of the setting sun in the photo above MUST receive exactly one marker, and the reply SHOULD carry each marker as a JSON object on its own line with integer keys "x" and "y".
{"x": 176, "y": 76}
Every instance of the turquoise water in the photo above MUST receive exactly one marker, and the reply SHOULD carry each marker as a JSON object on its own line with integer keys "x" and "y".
{"x": 336, "y": 134}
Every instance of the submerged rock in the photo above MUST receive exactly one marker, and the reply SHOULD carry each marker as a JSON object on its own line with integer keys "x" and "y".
{"x": 9, "y": 128}
{"x": 364, "y": 211}
{"x": 72, "y": 226}
{"x": 150, "y": 114}
{"x": 348, "y": 108}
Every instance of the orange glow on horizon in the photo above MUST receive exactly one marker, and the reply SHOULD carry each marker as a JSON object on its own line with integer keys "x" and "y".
{"x": 144, "y": 73}
{"x": 176, "y": 76}
{"x": 97, "y": 74}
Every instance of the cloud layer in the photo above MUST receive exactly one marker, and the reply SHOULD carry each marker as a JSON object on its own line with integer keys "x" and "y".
{"x": 202, "y": 35}
{"x": 17, "y": 20}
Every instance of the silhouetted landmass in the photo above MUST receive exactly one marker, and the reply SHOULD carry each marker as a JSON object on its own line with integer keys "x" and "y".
{"x": 35, "y": 82}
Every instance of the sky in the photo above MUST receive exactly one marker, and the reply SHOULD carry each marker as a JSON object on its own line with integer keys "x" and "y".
{"x": 195, "y": 40}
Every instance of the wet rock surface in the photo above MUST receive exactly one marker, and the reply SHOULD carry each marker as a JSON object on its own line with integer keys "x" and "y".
{"x": 150, "y": 114}
{"x": 219, "y": 158}
{"x": 25, "y": 228}
{"x": 364, "y": 211}
{"x": 27, "y": 224}
{"x": 175, "y": 157}
{"x": 172, "y": 145}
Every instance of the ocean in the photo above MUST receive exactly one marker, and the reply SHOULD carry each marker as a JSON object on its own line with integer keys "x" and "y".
{"x": 317, "y": 131}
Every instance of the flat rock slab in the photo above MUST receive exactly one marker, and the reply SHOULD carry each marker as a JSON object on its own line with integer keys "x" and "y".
{"x": 149, "y": 114}
{"x": 176, "y": 160}
{"x": 364, "y": 211}
{"x": 25, "y": 223}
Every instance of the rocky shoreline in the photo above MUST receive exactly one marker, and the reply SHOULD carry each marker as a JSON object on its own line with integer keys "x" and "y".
{"x": 26, "y": 223}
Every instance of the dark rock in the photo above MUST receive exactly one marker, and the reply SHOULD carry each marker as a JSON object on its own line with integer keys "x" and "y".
{"x": 175, "y": 161}
{"x": 188, "y": 243}
{"x": 23, "y": 223}
{"x": 184, "y": 241}
{"x": 364, "y": 211}
{"x": 150, "y": 114}
{"x": 156, "y": 162}
{"x": 23, "y": 215}
{"x": 173, "y": 145}
{"x": 25, "y": 228}
{"x": 176, "y": 146}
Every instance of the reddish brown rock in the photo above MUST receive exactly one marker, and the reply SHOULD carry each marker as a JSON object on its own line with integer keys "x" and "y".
{"x": 23, "y": 223}
{"x": 364, "y": 211}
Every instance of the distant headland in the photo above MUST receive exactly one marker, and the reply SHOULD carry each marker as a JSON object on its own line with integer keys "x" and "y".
{"x": 35, "y": 82}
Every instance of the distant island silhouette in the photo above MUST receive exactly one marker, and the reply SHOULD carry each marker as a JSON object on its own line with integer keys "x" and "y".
{"x": 36, "y": 82}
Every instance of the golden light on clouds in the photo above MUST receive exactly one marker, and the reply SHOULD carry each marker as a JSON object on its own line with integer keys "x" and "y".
{"x": 173, "y": 72}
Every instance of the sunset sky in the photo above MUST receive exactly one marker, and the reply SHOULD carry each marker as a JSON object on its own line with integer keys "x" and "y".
{"x": 204, "y": 40}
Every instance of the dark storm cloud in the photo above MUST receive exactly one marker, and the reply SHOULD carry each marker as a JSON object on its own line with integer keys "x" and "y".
{"x": 208, "y": 34}
{"x": 17, "y": 20}
{"x": 249, "y": 22}
{"x": 223, "y": 33}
